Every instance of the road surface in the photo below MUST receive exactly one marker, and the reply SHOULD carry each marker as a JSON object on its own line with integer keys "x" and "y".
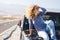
{"x": 5, "y": 25}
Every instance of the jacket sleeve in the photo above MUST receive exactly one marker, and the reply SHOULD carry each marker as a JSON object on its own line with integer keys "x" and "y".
{"x": 43, "y": 11}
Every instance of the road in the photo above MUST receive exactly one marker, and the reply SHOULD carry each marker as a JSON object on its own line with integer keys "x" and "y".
{"x": 5, "y": 25}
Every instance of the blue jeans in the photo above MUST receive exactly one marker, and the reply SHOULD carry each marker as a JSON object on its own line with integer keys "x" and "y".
{"x": 51, "y": 29}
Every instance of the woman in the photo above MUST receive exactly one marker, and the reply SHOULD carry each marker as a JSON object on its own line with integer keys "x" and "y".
{"x": 35, "y": 17}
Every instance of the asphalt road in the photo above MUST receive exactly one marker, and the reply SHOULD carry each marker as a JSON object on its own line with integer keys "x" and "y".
{"x": 5, "y": 25}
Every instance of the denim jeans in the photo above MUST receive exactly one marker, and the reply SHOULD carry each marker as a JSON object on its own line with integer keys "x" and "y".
{"x": 51, "y": 29}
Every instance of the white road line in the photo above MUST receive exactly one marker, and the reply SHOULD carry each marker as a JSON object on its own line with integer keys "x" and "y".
{"x": 7, "y": 32}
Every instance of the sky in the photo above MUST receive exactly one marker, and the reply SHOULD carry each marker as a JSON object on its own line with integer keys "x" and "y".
{"x": 17, "y": 7}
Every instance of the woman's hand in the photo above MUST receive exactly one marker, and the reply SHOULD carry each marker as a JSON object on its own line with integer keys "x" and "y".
{"x": 28, "y": 35}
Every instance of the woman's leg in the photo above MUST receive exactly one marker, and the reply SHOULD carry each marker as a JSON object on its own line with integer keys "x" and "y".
{"x": 51, "y": 27}
{"x": 43, "y": 34}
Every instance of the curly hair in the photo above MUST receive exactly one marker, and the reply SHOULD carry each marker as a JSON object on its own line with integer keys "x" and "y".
{"x": 29, "y": 11}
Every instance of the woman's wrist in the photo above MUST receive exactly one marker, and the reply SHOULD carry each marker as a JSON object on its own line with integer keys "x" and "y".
{"x": 29, "y": 35}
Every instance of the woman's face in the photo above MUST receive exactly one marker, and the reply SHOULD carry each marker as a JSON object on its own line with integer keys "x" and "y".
{"x": 36, "y": 10}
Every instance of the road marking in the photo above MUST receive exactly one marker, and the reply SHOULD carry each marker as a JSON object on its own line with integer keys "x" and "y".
{"x": 7, "y": 32}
